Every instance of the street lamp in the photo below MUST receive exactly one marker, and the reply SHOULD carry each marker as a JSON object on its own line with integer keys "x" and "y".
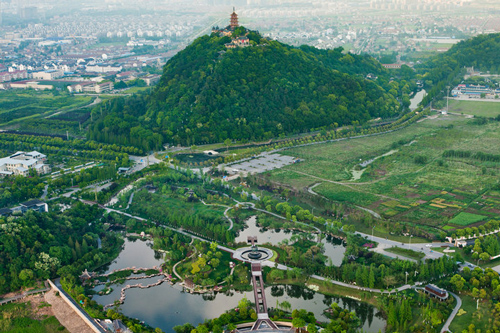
{"x": 406, "y": 277}
{"x": 410, "y": 241}
{"x": 372, "y": 232}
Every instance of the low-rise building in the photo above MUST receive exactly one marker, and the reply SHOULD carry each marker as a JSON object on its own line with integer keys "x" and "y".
{"x": 20, "y": 163}
{"x": 434, "y": 291}
{"x": 35, "y": 205}
{"x": 26, "y": 85}
{"x": 14, "y": 75}
{"x": 47, "y": 75}
{"x": 91, "y": 87}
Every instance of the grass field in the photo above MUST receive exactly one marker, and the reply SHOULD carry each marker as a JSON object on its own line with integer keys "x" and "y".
{"x": 475, "y": 107}
{"x": 471, "y": 316}
{"x": 465, "y": 219}
{"x": 398, "y": 187}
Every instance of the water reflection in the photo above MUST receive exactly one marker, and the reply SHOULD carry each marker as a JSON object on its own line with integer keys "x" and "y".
{"x": 334, "y": 248}
{"x": 166, "y": 306}
{"x": 135, "y": 253}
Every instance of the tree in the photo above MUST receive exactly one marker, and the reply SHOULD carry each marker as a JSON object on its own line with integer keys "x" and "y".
{"x": 26, "y": 275}
{"x": 227, "y": 142}
{"x": 389, "y": 280}
{"x": 311, "y": 328}
{"x": 458, "y": 282}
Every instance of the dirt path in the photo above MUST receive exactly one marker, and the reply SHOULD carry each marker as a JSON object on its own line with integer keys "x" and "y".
{"x": 65, "y": 314}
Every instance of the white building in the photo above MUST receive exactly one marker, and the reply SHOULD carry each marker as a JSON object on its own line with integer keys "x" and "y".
{"x": 91, "y": 87}
{"x": 48, "y": 75}
{"x": 20, "y": 163}
{"x": 103, "y": 68}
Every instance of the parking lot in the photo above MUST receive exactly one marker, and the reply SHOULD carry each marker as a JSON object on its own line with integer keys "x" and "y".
{"x": 261, "y": 163}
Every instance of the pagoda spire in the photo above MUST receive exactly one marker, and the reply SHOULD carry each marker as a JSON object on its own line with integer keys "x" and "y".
{"x": 234, "y": 20}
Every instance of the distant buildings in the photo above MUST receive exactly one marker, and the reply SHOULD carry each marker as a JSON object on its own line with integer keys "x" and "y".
{"x": 103, "y": 68}
{"x": 20, "y": 163}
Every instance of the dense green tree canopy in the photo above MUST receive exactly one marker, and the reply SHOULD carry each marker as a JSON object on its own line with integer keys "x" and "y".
{"x": 208, "y": 93}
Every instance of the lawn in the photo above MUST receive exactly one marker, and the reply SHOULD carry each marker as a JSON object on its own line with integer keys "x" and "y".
{"x": 465, "y": 219}
{"x": 475, "y": 107}
{"x": 429, "y": 191}
{"x": 471, "y": 316}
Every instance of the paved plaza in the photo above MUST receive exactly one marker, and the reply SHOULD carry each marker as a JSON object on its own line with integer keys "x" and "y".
{"x": 262, "y": 163}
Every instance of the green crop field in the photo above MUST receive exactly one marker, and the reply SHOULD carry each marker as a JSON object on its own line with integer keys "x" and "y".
{"x": 475, "y": 107}
{"x": 429, "y": 190}
{"x": 19, "y": 105}
{"x": 465, "y": 219}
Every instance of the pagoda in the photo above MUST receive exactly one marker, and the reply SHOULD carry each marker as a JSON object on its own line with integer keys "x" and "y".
{"x": 234, "y": 20}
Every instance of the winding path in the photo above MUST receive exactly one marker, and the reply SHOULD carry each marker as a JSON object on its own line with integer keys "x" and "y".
{"x": 231, "y": 223}
{"x": 446, "y": 327}
{"x": 310, "y": 189}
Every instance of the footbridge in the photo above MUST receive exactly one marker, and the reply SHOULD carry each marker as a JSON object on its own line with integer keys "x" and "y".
{"x": 263, "y": 322}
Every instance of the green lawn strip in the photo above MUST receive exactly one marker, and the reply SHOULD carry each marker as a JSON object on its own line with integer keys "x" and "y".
{"x": 406, "y": 253}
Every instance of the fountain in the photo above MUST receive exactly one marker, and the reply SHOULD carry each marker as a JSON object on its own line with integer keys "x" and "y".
{"x": 254, "y": 253}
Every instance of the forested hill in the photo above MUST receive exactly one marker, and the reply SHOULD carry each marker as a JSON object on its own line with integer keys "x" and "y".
{"x": 446, "y": 69}
{"x": 208, "y": 93}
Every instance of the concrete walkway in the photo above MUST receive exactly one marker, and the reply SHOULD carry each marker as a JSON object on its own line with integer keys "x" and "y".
{"x": 446, "y": 327}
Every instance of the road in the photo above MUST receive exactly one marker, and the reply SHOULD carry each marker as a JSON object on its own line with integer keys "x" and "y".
{"x": 384, "y": 243}
{"x": 141, "y": 162}
{"x": 446, "y": 327}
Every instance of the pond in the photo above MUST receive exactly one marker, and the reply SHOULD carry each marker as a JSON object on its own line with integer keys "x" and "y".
{"x": 419, "y": 96}
{"x": 166, "y": 306}
{"x": 333, "y": 247}
{"x": 135, "y": 253}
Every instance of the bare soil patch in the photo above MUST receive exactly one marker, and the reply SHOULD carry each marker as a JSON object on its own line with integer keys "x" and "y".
{"x": 65, "y": 314}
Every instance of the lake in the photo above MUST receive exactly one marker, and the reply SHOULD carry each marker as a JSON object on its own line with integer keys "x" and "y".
{"x": 166, "y": 306}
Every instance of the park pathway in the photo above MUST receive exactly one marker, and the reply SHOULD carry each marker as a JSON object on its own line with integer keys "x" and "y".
{"x": 446, "y": 327}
